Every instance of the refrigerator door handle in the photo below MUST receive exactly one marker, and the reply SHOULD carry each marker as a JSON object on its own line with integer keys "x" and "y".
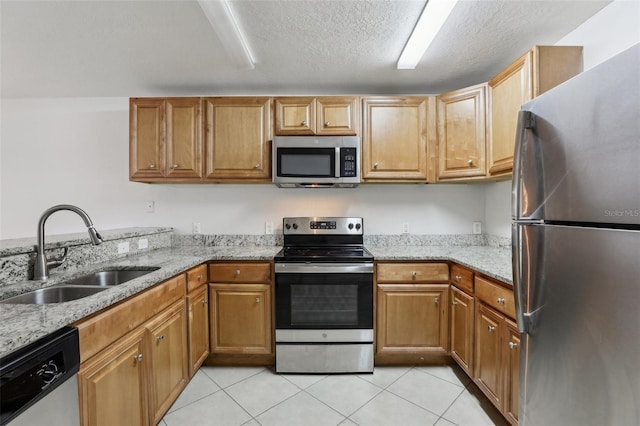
{"x": 525, "y": 121}
{"x": 518, "y": 284}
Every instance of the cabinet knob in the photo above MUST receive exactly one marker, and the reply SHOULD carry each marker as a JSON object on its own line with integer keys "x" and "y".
{"x": 152, "y": 166}
{"x": 491, "y": 329}
{"x": 327, "y": 124}
{"x": 175, "y": 166}
{"x": 200, "y": 277}
{"x": 303, "y": 123}
{"x": 375, "y": 165}
{"x": 257, "y": 300}
{"x": 512, "y": 345}
{"x": 160, "y": 338}
{"x": 470, "y": 162}
{"x": 437, "y": 300}
{"x": 500, "y": 300}
{"x": 457, "y": 278}
{"x": 413, "y": 274}
{"x": 237, "y": 271}
{"x": 137, "y": 358}
{"x": 454, "y": 303}
{"x": 257, "y": 166}
{"x": 204, "y": 301}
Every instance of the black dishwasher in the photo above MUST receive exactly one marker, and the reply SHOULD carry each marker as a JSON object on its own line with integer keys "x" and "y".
{"x": 39, "y": 384}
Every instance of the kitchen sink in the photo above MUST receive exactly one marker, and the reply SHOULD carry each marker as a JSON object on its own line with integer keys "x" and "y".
{"x": 111, "y": 276}
{"x": 55, "y": 294}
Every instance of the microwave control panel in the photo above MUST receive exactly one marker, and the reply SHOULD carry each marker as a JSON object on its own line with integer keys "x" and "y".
{"x": 348, "y": 166}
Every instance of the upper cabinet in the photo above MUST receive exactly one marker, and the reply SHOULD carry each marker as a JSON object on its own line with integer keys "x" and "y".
{"x": 394, "y": 138}
{"x": 237, "y": 139}
{"x": 165, "y": 139}
{"x": 330, "y": 115}
{"x": 535, "y": 72}
{"x": 462, "y": 133}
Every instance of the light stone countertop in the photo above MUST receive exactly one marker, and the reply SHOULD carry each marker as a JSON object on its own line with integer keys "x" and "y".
{"x": 23, "y": 324}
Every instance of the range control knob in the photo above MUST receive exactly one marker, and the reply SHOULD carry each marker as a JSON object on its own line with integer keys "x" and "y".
{"x": 287, "y": 226}
{"x": 358, "y": 226}
{"x": 350, "y": 226}
{"x": 295, "y": 226}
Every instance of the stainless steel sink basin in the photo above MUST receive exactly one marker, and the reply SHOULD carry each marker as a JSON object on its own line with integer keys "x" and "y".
{"x": 111, "y": 276}
{"x": 55, "y": 294}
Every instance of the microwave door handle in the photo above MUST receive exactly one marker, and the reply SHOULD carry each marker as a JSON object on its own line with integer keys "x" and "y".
{"x": 337, "y": 162}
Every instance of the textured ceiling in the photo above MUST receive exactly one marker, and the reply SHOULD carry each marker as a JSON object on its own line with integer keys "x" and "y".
{"x": 167, "y": 48}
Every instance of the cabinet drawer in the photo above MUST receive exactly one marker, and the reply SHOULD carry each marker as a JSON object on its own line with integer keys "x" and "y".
{"x": 196, "y": 277}
{"x": 496, "y": 296}
{"x": 240, "y": 272}
{"x": 412, "y": 272}
{"x": 462, "y": 277}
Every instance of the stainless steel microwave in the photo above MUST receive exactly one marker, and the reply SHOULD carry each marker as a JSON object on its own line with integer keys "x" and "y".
{"x": 316, "y": 161}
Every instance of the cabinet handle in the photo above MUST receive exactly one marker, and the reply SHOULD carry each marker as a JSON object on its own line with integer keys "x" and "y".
{"x": 512, "y": 345}
{"x": 470, "y": 162}
{"x": 327, "y": 124}
{"x": 152, "y": 166}
{"x": 160, "y": 338}
{"x": 303, "y": 123}
{"x": 375, "y": 165}
{"x": 137, "y": 358}
{"x": 437, "y": 300}
{"x": 257, "y": 300}
{"x": 501, "y": 300}
{"x": 491, "y": 329}
{"x": 457, "y": 278}
{"x": 257, "y": 166}
{"x": 175, "y": 166}
{"x": 454, "y": 303}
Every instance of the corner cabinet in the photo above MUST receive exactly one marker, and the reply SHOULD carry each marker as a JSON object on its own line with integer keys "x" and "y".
{"x": 462, "y": 133}
{"x": 395, "y": 135}
{"x": 329, "y": 115}
{"x": 535, "y": 72}
{"x": 198, "y": 312}
{"x": 412, "y": 311}
{"x": 240, "y": 312}
{"x": 165, "y": 139}
{"x": 237, "y": 135}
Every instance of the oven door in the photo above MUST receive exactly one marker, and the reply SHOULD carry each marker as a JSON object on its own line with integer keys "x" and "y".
{"x": 324, "y": 296}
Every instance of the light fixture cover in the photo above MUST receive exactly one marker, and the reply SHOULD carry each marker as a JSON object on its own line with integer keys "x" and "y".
{"x": 433, "y": 17}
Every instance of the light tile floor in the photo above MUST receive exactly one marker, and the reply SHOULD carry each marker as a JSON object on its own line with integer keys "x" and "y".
{"x": 391, "y": 396}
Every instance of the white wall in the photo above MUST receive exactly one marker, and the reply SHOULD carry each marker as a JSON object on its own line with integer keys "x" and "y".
{"x": 614, "y": 29}
{"x": 76, "y": 151}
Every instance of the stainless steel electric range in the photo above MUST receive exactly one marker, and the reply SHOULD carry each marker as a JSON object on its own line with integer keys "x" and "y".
{"x": 324, "y": 297}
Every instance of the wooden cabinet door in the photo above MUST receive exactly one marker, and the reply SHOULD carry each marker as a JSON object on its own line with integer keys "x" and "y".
{"x": 184, "y": 137}
{"x": 337, "y": 115}
{"x": 412, "y": 318}
{"x": 168, "y": 356}
{"x": 511, "y": 365}
{"x": 240, "y": 318}
{"x": 488, "y": 353}
{"x": 146, "y": 138}
{"x": 295, "y": 116}
{"x": 237, "y": 138}
{"x": 462, "y": 133}
{"x": 394, "y": 139}
{"x": 113, "y": 385}
{"x": 462, "y": 325}
{"x": 198, "y": 303}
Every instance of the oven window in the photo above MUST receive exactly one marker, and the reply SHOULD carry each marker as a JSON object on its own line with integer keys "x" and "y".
{"x": 326, "y": 305}
{"x": 306, "y": 162}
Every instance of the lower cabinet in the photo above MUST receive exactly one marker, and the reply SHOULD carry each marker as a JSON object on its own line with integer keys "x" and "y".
{"x": 113, "y": 385}
{"x": 462, "y": 329}
{"x": 512, "y": 372}
{"x": 488, "y": 374}
{"x": 198, "y": 306}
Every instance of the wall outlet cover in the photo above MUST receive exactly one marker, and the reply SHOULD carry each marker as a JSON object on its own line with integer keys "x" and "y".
{"x": 196, "y": 228}
{"x": 268, "y": 228}
{"x": 405, "y": 228}
{"x": 150, "y": 206}
{"x": 143, "y": 244}
{"x": 123, "y": 247}
{"x": 477, "y": 228}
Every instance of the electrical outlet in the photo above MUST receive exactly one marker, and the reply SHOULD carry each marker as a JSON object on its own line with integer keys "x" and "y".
{"x": 268, "y": 228}
{"x": 151, "y": 206}
{"x": 143, "y": 244}
{"x": 123, "y": 247}
{"x": 405, "y": 228}
{"x": 196, "y": 228}
{"x": 477, "y": 228}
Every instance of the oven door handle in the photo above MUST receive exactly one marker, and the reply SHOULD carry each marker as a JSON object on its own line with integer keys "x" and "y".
{"x": 324, "y": 268}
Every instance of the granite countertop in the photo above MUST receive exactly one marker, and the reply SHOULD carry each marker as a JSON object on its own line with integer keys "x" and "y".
{"x": 22, "y": 324}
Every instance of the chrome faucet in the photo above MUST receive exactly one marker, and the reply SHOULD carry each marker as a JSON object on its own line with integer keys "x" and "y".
{"x": 42, "y": 265}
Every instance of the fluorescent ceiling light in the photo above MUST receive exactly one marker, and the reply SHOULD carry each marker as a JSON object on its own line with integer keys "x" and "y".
{"x": 221, "y": 18}
{"x": 433, "y": 17}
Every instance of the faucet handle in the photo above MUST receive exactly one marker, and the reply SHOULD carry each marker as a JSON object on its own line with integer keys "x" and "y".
{"x": 54, "y": 263}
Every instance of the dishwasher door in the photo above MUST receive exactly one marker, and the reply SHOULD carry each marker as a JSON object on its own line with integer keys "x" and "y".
{"x": 39, "y": 384}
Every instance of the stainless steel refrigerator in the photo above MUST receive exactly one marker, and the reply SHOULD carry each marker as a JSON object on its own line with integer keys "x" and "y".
{"x": 576, "y": 248}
